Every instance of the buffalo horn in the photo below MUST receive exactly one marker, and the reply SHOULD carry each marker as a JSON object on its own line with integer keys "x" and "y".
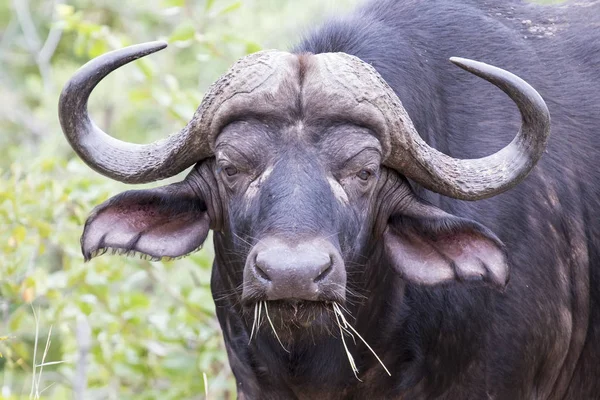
{"x": 474, "y": 179}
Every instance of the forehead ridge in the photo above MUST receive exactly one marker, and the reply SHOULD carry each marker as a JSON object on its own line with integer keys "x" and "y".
{"x": 304, "y": 96}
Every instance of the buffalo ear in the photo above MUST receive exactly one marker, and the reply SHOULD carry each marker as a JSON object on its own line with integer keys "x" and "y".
{"x": 429, "y": 246}
{"x": 170, "y": 221}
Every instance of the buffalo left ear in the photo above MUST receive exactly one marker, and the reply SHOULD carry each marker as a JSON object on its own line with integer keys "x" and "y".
{"x": 169, "y": 221}
{"x": 429, "y": 246}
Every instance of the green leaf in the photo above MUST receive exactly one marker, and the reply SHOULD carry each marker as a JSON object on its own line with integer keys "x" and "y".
{"x": 139, "y": 95}
{"x": 19, "y": 234}
{"x": 98, "y": 47}
{"x": 252, "y": 47}
{"x": 16, "y": 319}
{"x": 173, "y": 3}
{"x": 232, "y": 7}
{"x": 64, "y": 10}
{"x": 209, "y": 4}
{"x": 146, "y": 67}
{"x": 182, "y": 33}
{"x": 135, "y": 300}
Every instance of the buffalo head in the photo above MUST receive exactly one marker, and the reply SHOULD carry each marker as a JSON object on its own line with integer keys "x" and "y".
{"x": 300, "y": 167}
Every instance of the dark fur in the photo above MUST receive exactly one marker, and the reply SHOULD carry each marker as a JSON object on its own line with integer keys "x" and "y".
{"x": 459, "y": 342}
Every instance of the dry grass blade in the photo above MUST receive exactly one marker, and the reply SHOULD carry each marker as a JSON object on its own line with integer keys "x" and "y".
{"x": 254, "y": 323}
{"x": 35, "y": 383}
{"x": 348, "y": 354}
{"x": 51, "y": 363}
{"x": 337, "y": 310}
{"x": 273, "y": 327}
{"x": 259, "y": 315}
{"x": 41, "y": 365}
{"x": 35, "y": 345}
{"x": 205, "y": 378}
{"x": 347, "y": 331}
{"x": 47, "y": 387}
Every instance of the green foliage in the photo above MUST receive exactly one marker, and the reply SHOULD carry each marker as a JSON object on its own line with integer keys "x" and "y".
{"x": 152, "y": 329}
{"x": 152, "y": 324}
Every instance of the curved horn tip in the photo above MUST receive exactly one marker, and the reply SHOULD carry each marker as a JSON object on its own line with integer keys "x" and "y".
{"x": 486, "y": 71}
{"x": 136, "y": 50}
{"x": 153, "y": 46}
{"x": 510, "y": 83}
{"x": 110, "y": 61}
{"x": 468, "y": 64}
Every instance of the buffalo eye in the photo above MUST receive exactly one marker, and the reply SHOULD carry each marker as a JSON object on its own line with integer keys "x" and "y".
{"x": 363, "y": 175}
{"x": 230, "y": 171}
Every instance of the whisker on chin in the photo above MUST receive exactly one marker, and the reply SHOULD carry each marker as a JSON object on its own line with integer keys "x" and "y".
{"x": 228, "y": 293}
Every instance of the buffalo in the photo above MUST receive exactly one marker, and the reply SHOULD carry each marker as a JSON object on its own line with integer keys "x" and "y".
{"x": 371, "y": 236}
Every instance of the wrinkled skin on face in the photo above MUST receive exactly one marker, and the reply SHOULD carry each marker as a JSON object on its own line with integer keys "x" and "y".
{"x": 298, "y": 183}
{"x": 295, "y": 184}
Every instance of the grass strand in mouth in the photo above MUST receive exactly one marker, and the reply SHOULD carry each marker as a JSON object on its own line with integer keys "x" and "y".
{"x": 259, "y": 315}
{"x": 348, "y": 354}
{"x": 254, "y": 323}
{"x": 338, "y": 312}
{"x": 348, "y": 332}
{"x": 273, "y": 327}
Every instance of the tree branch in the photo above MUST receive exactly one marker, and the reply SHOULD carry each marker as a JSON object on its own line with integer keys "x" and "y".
{"x": 42, "y": 53}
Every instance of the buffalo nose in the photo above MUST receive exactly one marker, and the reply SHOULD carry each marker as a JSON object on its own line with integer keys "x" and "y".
{"x": 281, "y": 263}
{"x": 310, "y": 270}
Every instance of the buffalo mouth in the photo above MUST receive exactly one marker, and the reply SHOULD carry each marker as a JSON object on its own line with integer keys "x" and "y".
{"x": 304, "y": 321}
{"x": 291, "y": 320}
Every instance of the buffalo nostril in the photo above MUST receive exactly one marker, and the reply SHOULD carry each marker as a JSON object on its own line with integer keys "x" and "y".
{"x": 324, "y": 270}
{"x": 261, "y": 272}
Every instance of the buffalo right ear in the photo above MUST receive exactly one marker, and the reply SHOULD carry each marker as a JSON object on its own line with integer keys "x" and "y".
{"x": 429, "y": 246}
{"x": 169, "y": 221}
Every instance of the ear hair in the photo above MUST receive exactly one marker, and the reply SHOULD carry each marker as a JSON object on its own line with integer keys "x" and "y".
{"x": 163, "y": 222}
{"x": 436, "y": 226}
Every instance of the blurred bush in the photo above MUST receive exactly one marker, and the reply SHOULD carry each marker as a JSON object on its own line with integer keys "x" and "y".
{"x": 143, "y": 329}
